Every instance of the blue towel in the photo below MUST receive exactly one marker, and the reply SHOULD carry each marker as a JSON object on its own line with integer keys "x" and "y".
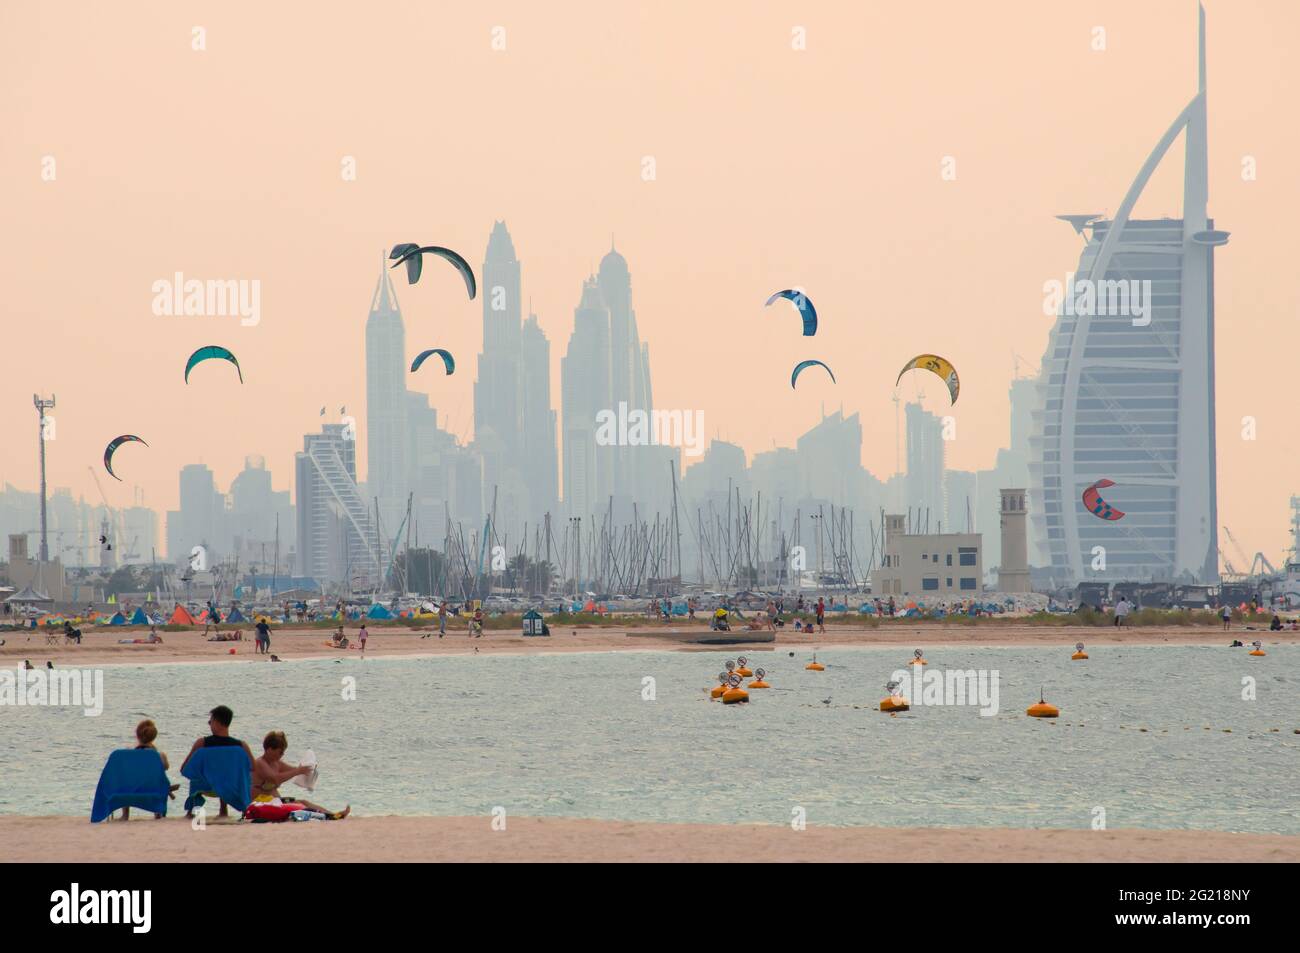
{"x": 131, "y": 778}
{"x": 224, "y": 772}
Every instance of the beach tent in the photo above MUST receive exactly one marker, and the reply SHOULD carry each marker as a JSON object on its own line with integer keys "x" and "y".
{"x": 867, "y": 609}
{"x": 377, "y": 611}
{"x": 181, "y": 616}
{"x": 235, "y": 616}
{"x": 681, "y": 608}
{"x": 118, "y": 619}
{"x": 139, "y": 618}
{"x": 839, "y": 607}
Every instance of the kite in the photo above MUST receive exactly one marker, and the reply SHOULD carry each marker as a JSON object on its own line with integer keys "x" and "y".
{"x": 798, "y": 369}
{"x": 936, "y": 365}
{"x": 805, "y": 306}
{"x": 208, "y": 353}
{"x": 447, "y": 359}
{"x": 1096, "y": 505}
{"x": 112, "y": 448}
{"x": 413, "y": 255}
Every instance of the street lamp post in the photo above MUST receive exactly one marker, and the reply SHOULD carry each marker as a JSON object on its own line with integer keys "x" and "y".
{"x": 43, "y": 405}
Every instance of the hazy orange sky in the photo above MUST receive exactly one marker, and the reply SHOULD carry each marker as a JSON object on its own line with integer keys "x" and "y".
{"x": 773, "y": 167}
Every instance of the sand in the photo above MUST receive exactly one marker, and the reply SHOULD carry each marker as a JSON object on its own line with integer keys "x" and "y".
{"x": 457, "y": 839}
{"x": 99, "y": 645}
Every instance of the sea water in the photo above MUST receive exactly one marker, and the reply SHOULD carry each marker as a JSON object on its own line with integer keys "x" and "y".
{"x": 586, "y": 735}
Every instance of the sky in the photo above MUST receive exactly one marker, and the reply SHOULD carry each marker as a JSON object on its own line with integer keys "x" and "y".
{"x": 729, "y": 150}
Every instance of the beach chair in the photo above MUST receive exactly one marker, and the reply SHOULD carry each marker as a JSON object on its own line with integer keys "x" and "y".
{"x": 52, "y": 636}
{"x": 131, "y": 778}
{"x": 219, "y": 772}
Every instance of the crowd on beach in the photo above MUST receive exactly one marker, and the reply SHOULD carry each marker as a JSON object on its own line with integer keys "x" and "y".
{"x": 266, "y": 772}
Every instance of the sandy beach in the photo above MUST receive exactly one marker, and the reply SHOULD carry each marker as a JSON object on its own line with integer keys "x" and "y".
{"x": 100, "y": 645}
{"x": 533, "y": 839}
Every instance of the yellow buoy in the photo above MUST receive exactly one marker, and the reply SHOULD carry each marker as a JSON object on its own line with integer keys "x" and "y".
{"x": 893, "y": 704}
{"x": 1079, "y": 655}
{"x": 733, "y": 695}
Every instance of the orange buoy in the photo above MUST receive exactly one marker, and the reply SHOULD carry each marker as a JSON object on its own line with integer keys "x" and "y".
{"x": 814, "y": 667}
{"x": 758, "y": 682}
{"x": 1258, "y": 649}
{"x": 1079, "y": 655}
{"x": 918, "y": 658}
{"x": 742, "y": 667}
{"x": 1256, "y": 652}
{"x": 894, "y": 703}
{"x": 733, "y": 695}
{"x": 1040, "y": 708}
{"x": 721, "y": 687}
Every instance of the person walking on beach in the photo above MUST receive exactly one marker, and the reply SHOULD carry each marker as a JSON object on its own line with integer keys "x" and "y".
{"x": 1227, "y": 618}
{"x": 1121, "y": 611}
{"x": 476, "y": 624}
{"x": 821, "y": 615}
{"x": 263, "y": 636}
{"x": 361, "y": 637}
{"x": 219, "y": 720}
{"x": 442, "y": 618}
{"x": 213, "y": 619}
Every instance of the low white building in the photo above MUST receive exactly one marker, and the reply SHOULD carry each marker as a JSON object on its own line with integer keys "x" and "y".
{"x": 921, "y": 565}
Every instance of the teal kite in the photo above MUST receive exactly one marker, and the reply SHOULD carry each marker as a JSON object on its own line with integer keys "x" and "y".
{"x": 112, "y": 448}
{"x": 799, "y": 368}
{"x": 447, "y": 359}
{"x": 805, "y": 306}
{"x": 208, "y": 353}
{"x": 413, "y": 255}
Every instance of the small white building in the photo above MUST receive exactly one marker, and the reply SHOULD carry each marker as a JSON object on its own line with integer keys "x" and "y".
{"x": 928, "y": 565}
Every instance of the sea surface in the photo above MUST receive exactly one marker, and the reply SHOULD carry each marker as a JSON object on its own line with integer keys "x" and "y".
{"x": 577, "y": 735}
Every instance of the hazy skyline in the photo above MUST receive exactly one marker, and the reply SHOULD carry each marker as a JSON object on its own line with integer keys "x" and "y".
{"x": 774, "y": 167}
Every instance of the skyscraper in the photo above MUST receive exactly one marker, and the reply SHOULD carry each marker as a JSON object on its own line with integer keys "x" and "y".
{"x": 1131, "y": 398}
{"x": 585, "y": 391}
{"x": 335, "y": 529}
{"x": 925, "y": 465}
{"x": 537, "y": 453}
{"x": 387, "y": 461}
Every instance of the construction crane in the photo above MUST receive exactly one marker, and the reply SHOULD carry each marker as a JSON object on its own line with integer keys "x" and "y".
{"x": 1259, "y": 566}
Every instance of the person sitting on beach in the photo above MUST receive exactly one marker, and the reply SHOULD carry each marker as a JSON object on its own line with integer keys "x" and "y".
{"x": 219, "y": 720}
{"x": 154, "y": 637}
{"x": 339, "y": 640}
{"x": 145, "y": 733}
{"x": 720, "y": 622}
{"x": 70, "y": 634}
{"x": 270, "y": 771}
{"x": 1276, "y": 624}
